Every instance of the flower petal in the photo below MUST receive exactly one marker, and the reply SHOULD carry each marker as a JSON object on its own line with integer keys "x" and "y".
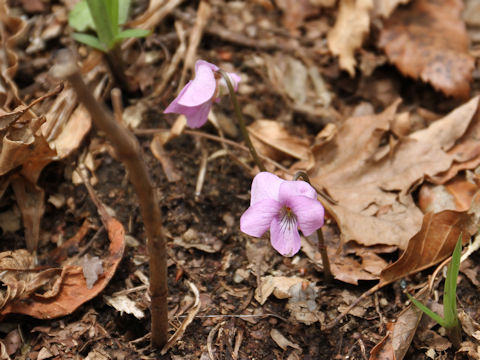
{"x": 296, "y": 188}
{"x": 284, "y": 236}
{"x": 196, "y": 115}
{"x": 265, "y": 186}
{"x": 309, "y": 213}
{"x": 202, "y": 87}
{"x": 257, "y": 219}
{"x": 234, "y": 79}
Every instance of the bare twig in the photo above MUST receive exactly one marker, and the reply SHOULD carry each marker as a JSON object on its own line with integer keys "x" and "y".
{"x": 129, "y": 151}
{"x": 203, "y": 14}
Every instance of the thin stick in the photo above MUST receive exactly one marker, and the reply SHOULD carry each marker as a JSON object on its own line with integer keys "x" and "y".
{"x": 116, "y": 95}
{"x": 322, "y": 248}
{"x": 128, "y": 150}
{"x": 241, "y": 121}
{"x": 144, "y": 132}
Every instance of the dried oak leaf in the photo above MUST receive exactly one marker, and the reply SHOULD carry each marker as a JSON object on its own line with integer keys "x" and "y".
{"x": 275, "y": 141}
{"x": 433, "y": 243}
{"x": 428, "y": 40}
{"x": 19, "y": 276}
{"x": 400, "y": 333}
{"x": 385, "y": 7}
{"x": 370, "y": 186}
{"x": 465, "y": 152}
{"x": 70, "y": 290}
{"x": 351, "y": 27}
{"x": 296, "y": 11}
{"x": 12, "y": 30}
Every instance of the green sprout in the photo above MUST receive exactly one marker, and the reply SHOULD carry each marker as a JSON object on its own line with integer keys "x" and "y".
{"x": 106, "y": 18}
{"x": 450, "y": 318}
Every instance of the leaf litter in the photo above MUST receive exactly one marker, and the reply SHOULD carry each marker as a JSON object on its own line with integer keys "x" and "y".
{"x": 368, "y": 170}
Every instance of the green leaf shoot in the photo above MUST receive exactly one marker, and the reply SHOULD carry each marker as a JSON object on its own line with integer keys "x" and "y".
{"x": 106, "y": 18}
{"x": 89, "y": 40}
{"x": 133, "y": 33}
{"x": 80, "y": 18}
{"x": 450, "y": 317}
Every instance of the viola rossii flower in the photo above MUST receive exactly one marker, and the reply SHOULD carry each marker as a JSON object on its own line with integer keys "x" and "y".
{"x": 197, "y": 97}
{"x": 284, "y": 207}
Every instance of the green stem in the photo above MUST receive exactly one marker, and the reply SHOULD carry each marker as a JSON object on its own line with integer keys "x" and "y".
{"x": 322, "y": 248}
{"x": 241, "y": 121}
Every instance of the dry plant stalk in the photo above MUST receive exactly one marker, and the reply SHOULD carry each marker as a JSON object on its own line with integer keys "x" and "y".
{"x": 129, "y": 152}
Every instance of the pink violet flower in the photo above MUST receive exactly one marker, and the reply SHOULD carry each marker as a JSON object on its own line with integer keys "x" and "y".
{"x": 283, "y": 207}
{"x": 197, "y": 97}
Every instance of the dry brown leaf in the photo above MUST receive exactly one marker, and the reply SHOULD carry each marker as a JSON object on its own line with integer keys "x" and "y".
{"x": 272, "y": 139}
{"x": 400, "y": 333}
{"x": 433, "y": 243}
{"x": 278, "y": 285}
{"x": 466, "y": 152}
{"x": 457, "y": 194}
{"x": 70, "y": 289}
{"x": 31, "y": 201}
{"x": 12, "y": 31}
{"x": 296, "y": 11}
{"x": 370, "y": 187}
{"x": 384, "y": 8}
{"x": 365, "y": 265}
{"x": 282, "y": 341}
{"x": 20, "y": 278}
{"x": 123, "y": 304}
{"x": 428, "y": 40}
{"x": 351, "y": 27}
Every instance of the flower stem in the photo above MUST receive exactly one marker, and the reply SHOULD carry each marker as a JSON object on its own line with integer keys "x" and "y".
{"x": 322, "y": 248}
{"x": 241, "y": 121}
{"x": 117, "y": 68}
{"x": 129, "y": 152}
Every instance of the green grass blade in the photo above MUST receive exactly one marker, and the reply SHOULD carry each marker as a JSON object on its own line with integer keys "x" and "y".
{"x": 450, "y": 290}
{"x": 101, "y": 18}
{"x": 80, "y": 18}
{"x": 427, "y": 311}
{"x": 129, "y": 33}
{"x": 89, "y": 40}
{"x": 123, "y": 10}
{"x": 112, "y": 8}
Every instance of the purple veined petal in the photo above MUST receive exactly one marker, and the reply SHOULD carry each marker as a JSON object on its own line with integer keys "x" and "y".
{"x": 265, "y": 186}
{"x": 201, "y": 89}
{"x": 257, "y": 219}
{"x": 309, "y": 213}
{"x": 296, "y": 188}
{"x": 284, "y": 235}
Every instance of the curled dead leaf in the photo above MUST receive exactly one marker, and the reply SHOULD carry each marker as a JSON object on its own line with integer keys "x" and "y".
{"x": 351, "y": 27}
{"x": 372, "y": 201}
{"x": 428, "y": 40}
{"x": 400, "y": 333}
{"x": 433, "y": 243}
{"x": 272, "y": 139}
{"x": 70, "y": 289}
